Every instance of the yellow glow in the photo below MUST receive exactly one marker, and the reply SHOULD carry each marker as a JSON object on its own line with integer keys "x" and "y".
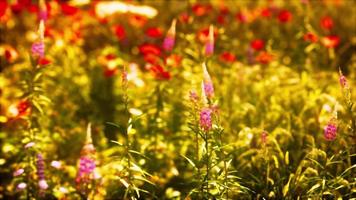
{"x": 104, "y": 9}
{"x": 79, "y": 2}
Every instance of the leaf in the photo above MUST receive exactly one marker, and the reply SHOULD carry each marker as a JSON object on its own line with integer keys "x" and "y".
{"x": 286, "y": 158}
{"x": 314, "y": 188}
{"x": 190, "y": 161}
{"x": 113, "y": 124}
{"x": 116, "y": 142}
{"x": 286, "y": 187}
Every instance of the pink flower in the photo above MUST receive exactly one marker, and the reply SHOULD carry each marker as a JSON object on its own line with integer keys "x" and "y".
{"x": 205, "y": 119}
{"x": 343, "y": 80}
{"x": 43, "y": 184}
{"x": 21, "y": 186}
{"x": 40, "y": 172}
{"x": 193, "y": 96}
{"x": 330, "y": 131}
{"x": 86, "y": 167}
{"x": 37, "y": 49}
{"x": 208, "y": 87}
{"x": 18, "y": 172}
{"x": 56, "y": 164}
{"x": 209, "y": 45}
{"x": 30, "y": 144}
{"x": 169, "y": 40}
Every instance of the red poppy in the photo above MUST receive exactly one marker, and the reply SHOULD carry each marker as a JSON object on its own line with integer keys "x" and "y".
{"x": 11, "y": 54}
{"x": 241, "y": 17}
{"x": 20, "y": 109}
{"x": 257, "y": 44}
{"x": 264, "y": 57}
{"x": 151, "y": 58}
{"x": 203, "y": 34}
{"x": 326, "y": 23}
{"x": 17, "y": 8}
{"x": 68, "y": 9}
{"x": 44, "y": 61}
{"x": 137, "y": 20}
{"x": 331, "y": 41}
{"x": 33, "y": 8}
{"x": 200, "y": 9}
{"x": 149, "y": 49}
{"x": 119, "y": 32}
{"x": 110, "y": 72}
{"x": 221, "y": 19}
{"x": 173, "y": 60}
{"x": 310, "y": 37}
{"x": 159, "y": 72}
{"x": 3, "y": 7}
{"x": 154, "y": 32}
{"x": 227, "y": 57}
{"x": 266, "y": 12}
{"x": 285, "y": 16}
{"x": 184, "y": 18}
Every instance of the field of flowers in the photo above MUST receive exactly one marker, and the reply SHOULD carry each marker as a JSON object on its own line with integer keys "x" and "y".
{"x": 160, "y": 99}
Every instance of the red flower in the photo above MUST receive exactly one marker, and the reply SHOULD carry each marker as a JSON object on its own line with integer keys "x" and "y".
{"x": 331, "y": 41}
{"x": 200, "y": 10}
{"x": 257, "y": 44}
{"x": 137, "y": 20}
{"x": 149, "y": 49}
{"x": 264, "y": 57}
{"x": 311, "y": 37}
{"x": 3, "y": 7}
{"x": 159, "y": 72}
{"x": 266, "y": 12}
{"x": 151, "y": 58}
{"x": 184, "y": 18}
{"x": 17, "y": 8}
{"x": 154, "y": 32}
{"x": 285, "y": 16}
{"x": 203, "y": 34}
{"x": 119, "y": 32}
{"x": 33, "y": 8}
{"x": 44, "y": 61}
{"x": 110, "y": 72}
{"x": 173, "y": 60}
{"x": 326, "y": 23}
{"x": 11, "y": 54}
{"x": 227, "y": 57}
{"x": 241, "y": 17}
{"x": 221, "y": 19}
{"x": 68, "y": 9}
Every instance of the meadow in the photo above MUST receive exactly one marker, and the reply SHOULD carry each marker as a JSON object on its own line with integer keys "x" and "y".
{"x": 144, "y": 99}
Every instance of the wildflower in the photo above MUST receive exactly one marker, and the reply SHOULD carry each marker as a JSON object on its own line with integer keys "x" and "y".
{"x": 343, "y": 81}
{"x": 30, "y": 144}
{"x": 21, "y": 186}
{"x": 227, "y": 57}
{"x": 264, "y": 57}
{"x": 119, "y": 31}
{"x": 266, "y": 12}
{"x": 169, "y": 40}
{"x": 285, "y": 16}
{"x": 209, "y": 45}
{"x": 86, "y": 161}
{"x": 42, "y": 14}
{"x": 193, "y": 96}
{"x": 11, "y": 54}
{"x": 154, "y": 32}
{"x": 208, "y": 87}
{"x": 205, "y": 119}
{"x": 159, "y": 72}
{"x": 3, "y": 8}
{"x": 311, "y": 37}
{"x": 330, "y": 41}
{"x": 330, "y": 130}
{"x": 43, "y": 61}
{"x": 200, "y": 9}
{"x": 37, "y": 49}
{"x": 56, "y": 164}
{"x": 68, "y": 9}
{"x": 147, "y": 48}
{"x": 40, "y": 173}
{"x": 326, "y": 23}
{"x": 257, "y": 44}
{"x": 18, "y": 172}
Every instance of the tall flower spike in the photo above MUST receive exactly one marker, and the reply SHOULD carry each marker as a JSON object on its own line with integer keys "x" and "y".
{"x": 205, "y": 119}
{"x": 169, "y": 40}
{"x": 330, "y": 130}
{"x": 209, "y": 45}
{"x": 343, "y": 81}
{"x": 208, "y": 87}
{"x": 38, "y": 47}
{"x": 87, "y": 159}
{"x": 42, "y": 14}
{"x": 42, "y": 183}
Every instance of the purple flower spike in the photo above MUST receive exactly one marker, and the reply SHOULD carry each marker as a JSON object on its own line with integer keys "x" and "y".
{"x": 205, "y": 119}
{"x": 330, "y": 131}
{"x": 37, "y": 49}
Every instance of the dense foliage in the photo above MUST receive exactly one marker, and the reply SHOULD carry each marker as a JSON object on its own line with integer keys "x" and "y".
{"x": 177, "y": 99}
